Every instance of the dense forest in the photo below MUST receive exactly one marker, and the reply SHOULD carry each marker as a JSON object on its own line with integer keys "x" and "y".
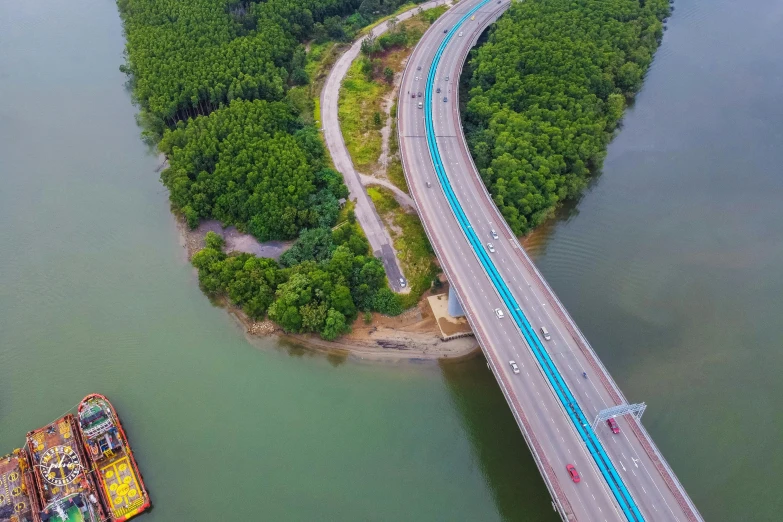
{"x": 319, "y": 285}
{"x": 211, "y": 79}
{"x": 547, "y": 91}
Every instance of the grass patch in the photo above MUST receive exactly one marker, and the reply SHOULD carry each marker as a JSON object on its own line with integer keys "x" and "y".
{"x": 360, "y": 98}
{"x": 394, "y": 169}
{"x": 364, "y": 88}
{"x": 347, "y": 209}
{"x": 375, "y": 24}
{"x": 413, "y": 248}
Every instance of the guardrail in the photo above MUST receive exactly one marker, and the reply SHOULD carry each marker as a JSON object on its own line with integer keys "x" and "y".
{"x": 568, "y": 401}
{"x": 560, "y": 502}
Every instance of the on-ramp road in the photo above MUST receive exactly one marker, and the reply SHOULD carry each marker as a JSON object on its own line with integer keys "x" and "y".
{"x": 380, "y": 241}
{"x": 540, "y": 415}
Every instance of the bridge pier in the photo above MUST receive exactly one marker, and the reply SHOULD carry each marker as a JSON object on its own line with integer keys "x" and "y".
{"x": 455, "y": 307}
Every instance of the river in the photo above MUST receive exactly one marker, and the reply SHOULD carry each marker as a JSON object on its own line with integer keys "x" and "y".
{"x": 670, "y": 266}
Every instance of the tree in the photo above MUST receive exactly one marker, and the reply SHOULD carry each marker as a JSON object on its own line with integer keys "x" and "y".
{"x": 542, "y": 104}
{"x": 213, "y": 241}
{"x": 368, "y": 45}
{"x": 388, "y": 74}
{"x": 387, "y": 302}
{"x": 335, "y": 326}
{"x": 629, "y": 77}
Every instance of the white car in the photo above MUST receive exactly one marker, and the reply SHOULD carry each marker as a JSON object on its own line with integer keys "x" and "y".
{"x": 494, "y": 234}
{"x": 499, "y": 313}
{"x": 460, "y": 33}
{"x": 491, "y": 247}
{"x": 402, "y": 283}
{"x": 514, "y": 366}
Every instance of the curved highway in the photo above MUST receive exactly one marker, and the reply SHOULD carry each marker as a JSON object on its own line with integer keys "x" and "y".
{"x": 455, "y": 210}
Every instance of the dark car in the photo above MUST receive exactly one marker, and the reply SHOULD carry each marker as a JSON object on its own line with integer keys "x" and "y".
{"x": 418, "y": 68}
{"x": 419, "y": 94}
{"x": 413, "y": 95}
{"x": 572, "y": 471}
{"x": 445, "y": 31}
{"x": 437, "y": 90}
{"x": 613, "y": 426}
{"x": 445, "y": 99}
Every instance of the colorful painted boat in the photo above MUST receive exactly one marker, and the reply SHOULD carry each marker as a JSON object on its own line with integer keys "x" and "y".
{"x": 17, "y": 489}
{"x": 64, "y": 489}
{"x": 121, "y": 485}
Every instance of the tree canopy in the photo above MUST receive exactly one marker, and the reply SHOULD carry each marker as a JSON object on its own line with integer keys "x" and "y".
{"x": 546, "y": 92}
{"x": 250, "y": 164}
{"x": 211, "y": 79}
{"x": 321, "y": 284}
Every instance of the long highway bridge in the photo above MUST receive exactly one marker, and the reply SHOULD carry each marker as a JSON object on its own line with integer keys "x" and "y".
{"x": 507, "y": 302}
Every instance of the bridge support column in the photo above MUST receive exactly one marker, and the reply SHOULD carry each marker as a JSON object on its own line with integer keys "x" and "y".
{"x": 455, "y": 308}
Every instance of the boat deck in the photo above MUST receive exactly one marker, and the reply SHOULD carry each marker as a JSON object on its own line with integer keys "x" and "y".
{"x": 62, "y": 432}
{"x": 121, "y": 485}
{"x": 122, "y": 489}
{"x": 15, "y": 503}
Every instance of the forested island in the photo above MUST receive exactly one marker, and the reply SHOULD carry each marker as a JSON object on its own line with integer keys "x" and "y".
{"x": 220, "y": 86}
{"x": 223, "y": 91}
{"x": 546, "y": 92}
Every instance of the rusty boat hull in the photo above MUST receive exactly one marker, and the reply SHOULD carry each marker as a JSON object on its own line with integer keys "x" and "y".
{"x": 121, "y": 486}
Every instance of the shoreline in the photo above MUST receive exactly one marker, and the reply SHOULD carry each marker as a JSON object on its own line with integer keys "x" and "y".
{"x": 412, "y": 336}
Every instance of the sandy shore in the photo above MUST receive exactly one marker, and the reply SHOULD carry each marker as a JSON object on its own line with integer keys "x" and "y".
{"x": 413, "y": 335}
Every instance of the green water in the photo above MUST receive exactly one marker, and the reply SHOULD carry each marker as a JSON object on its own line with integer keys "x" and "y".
{"x": 671, "y": 266}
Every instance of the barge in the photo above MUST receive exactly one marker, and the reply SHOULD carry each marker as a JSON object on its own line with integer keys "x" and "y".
{"x": 76, "y": 469}
{"x": 64, "y": 488}
{"x": 121, "y": 486}
{"x": 16, "y": 489}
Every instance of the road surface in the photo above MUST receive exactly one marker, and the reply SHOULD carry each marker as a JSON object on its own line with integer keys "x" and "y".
{"x": 380, "y": 241}
{"x": 548, "y": 430}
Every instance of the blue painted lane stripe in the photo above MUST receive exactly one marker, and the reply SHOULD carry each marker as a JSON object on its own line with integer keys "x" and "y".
{"x": 569, "y": 403}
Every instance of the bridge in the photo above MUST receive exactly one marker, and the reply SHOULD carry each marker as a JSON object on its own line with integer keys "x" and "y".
{"x": 560, "y": 393}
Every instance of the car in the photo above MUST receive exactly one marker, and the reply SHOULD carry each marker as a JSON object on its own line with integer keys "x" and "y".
{"x": 446, "y": 30}
{"x": 494, "y": 234}
{"x": 419, "y": 94}
{"x": 499, "y": 313}
{"x": 491, "y": 247}
{"x": 514, "y": 366}
{"x": 473, "y": 17}
{"x": 402, "y": 282}
{"x": 545, "y": 333}
{"x": 421, "y": 105}
{"x": 428, "y": 184}
{"x": 573, "y": 472}
{"x": 447, "y": 78}
{"x": 445, "y": 99}
{"x": 437, "y": 90}
{"x": 460, "y": 33}
{"x": 413, "y": 95}
{"x": 418, "y": 68}
{"x": 613, "y": 426}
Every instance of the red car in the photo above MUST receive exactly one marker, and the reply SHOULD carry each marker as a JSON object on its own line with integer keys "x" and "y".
{"x": 572, "y": 471}
{"x": 613, "y": 426}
